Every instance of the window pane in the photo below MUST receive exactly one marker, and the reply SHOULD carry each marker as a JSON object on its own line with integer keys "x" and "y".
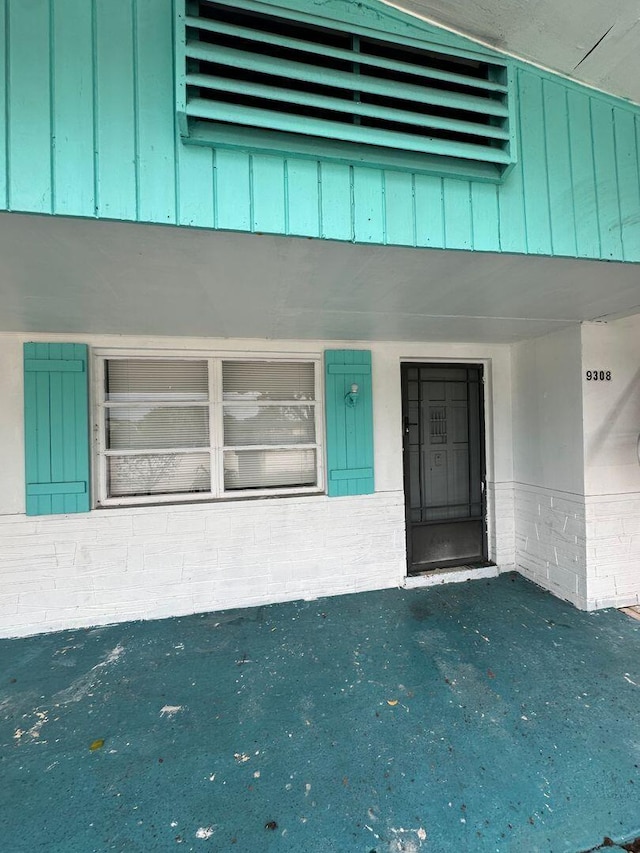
{"x": 150, "y": 427}
{"x": 263, "y": 380}
{"x": 253, "y": 424}
{"x": 262, "y": 469}
{"x": 161, "y": 473}
{"x": 129, "y": 380}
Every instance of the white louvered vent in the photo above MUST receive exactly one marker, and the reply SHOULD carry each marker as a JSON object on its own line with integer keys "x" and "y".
{"x": 259, "y": 72}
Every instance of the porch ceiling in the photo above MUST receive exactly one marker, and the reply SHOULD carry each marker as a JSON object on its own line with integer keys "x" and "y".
{"x": 80, "y": 276}
{"x": 594, "y": 42}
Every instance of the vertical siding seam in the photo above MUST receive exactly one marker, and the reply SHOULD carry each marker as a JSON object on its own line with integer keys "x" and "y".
{"x": 499, "y": 219}
{"x": 636, "y": 127}
{"x": 136, "y": 102}
{"x": 52, "y": 114}
{"x": 546, "y": 163}
{"x": 571, "y": 173}
{"x": 414, "y": 212}
{"x": 96, "y": 113}
{"x": 383, "y": 200}
{"x": 442, "y": 213}
{"x": 7, "y": 104}
{"x": 214, "y": 187}
{"x": 470, "y": 203}
{"x": 320, "y": 216}
{"x": 595, "y": 178}
{"x": 252, "y": 211}
{"x": 352, "y": 203}
{"x": 285, "y": 190}
{"x": 177, "y": 146}
{"x": 617, "y": 174}
{"x": 524, "y": 191}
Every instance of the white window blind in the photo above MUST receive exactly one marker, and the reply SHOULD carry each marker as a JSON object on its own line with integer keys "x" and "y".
{"x": 155, "y": 427}
{"x": 157, "y": 405}
{"x": 158, "y": 474}
{"x": 168, "y": 425}
{"x": 129, "y": 380}
{"x": 245, "y": 469}
{"x": 269, "y": 407}
{"x": 268, "y": 380}
{"x": 269, "y": 425}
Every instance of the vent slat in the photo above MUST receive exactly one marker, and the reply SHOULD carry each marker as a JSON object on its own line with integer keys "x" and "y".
{"x": 252, "y": 117}
{"x": 346, "y": 107}
{"x": 343, "y": 80}
{"x": 415, "y": 70}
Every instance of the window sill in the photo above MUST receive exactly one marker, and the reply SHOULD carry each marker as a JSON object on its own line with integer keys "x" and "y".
{"x": 174, "y": 503}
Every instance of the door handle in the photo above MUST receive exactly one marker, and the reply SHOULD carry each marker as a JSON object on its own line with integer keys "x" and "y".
{"x": 407, "y": 426}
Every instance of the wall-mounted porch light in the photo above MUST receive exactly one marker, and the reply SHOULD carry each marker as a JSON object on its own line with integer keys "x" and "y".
{"x": 352, "y": 397}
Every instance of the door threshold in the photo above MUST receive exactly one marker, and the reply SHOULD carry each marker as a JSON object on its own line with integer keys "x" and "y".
{"x": 454, "y": 574}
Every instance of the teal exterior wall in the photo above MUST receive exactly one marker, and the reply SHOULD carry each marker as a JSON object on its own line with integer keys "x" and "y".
{"x": 89, "y": 129}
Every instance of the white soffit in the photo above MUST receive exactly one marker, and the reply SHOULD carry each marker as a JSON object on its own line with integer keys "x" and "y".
{"x": 63, "y": 275}
{"x": 594, "y": 42}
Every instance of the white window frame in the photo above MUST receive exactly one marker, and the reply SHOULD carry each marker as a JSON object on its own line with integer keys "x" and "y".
{"x": 216, "y": 447}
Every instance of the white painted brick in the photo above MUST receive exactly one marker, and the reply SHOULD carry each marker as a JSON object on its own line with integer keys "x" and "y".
{"x": 193, "y": 522}
{"x": 135, "y": 558}
{"x": 550, "y": 540}
{"x": 36, "y": 549}
{"x": 9, "y": 603}
{"x": 563, "y": 578}
{"x": 36, "y": 564}
{"x": 631, "y": 524}
{"x": 149, "y": 562}
{"x": 616, "y": 549}
{"x": 609, "y": 528}
{"x": 609, "y": 601}
{"x": 12, "y": 526}
{"x": 160, "y": 562}
{"x": 52, "y": 599}
{"x": 19, "y": 624}
{"x": 626, "y": 584}
{"x": 154, "y": 524}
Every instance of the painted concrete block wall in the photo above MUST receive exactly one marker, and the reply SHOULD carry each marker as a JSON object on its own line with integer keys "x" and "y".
{"x": 125, "y": 563}
{"x": 577, "y": 471}
{"x": 612, "y": 466}
{"x": 550, "y": 535}
{"x": 87, "y": 128}
{"x": 110, "y": 566}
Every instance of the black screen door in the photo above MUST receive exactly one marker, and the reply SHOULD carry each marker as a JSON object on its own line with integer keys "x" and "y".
{"x": 443, "y": 465}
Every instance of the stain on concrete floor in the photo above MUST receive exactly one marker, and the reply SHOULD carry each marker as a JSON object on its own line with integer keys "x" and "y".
{"x": 485, "y": 716}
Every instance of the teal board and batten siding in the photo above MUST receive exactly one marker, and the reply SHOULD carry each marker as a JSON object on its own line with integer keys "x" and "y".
{"x": 87, "y": 104}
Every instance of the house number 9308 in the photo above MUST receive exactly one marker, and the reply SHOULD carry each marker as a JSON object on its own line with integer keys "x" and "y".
{"x": 598, "y": 375}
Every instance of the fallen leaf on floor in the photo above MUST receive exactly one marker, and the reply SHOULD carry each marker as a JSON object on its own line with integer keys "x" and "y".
{"x": 97, "y": 744}
{"x": 491, "y": 674}
{"x": 392, "y": 702}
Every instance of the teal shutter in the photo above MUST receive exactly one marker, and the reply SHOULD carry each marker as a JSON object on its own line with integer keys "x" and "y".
{"x": 56, "y": 422}
{"x": 349, "y": 428}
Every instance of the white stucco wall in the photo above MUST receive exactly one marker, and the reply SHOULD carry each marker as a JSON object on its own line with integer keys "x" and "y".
{"x": 549, "y": 463}
{"x": 115, "y": 564}
{"x": 612, "y": 469}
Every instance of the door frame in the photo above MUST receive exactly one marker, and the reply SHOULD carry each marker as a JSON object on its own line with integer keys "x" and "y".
{"x": 484, "y": 365}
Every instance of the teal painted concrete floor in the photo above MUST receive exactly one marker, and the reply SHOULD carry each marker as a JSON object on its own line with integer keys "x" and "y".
{"x": 485, "y": 716}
